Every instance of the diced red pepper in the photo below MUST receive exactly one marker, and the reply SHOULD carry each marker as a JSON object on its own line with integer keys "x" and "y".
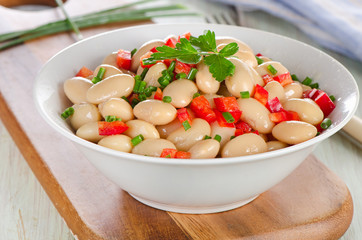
{"x": 183, "y": 115}
{"x": 310, "y": 93}
{"x": 283, "y": 115}
{"x": 259, "y": 55}
{"x": 202, "y": 109}
{"x": 153, "y": 50}
{"x": 158, "y": 94}
{"x": 261, "y": 94}
{"x": 124, "y": 59}
{"x": 284, "y": 79}
{"x": 267, "y": 78}
{"x": 242, "y": 127}
{"x": 183, "y": 155}
{"x": 167, "y": 62}
{"x": 226, "y": 104}
{"x": 185, "y": 35}
{"x": 325, "y": 103}
{"x": 168, "y": 152}
{"x": 181, "y": 67}
{"x": 171, "y": 42}
{"x": 111, "y": 128}
{"x": 221, "y": 120}
{"x": 84, "y": 72}
{"x": 274, "y": 105}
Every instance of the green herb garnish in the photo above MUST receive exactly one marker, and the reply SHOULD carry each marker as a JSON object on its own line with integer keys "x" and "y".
{"x": 112, "y": 118}
{"x": 137, "y": 139}
{"x": 67, "y": 113}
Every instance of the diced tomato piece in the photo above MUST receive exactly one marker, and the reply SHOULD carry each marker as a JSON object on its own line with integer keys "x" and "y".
{"x": 274, "y": 105}
{"x": 325, "y": 103}
{"x": 111, "y": 128}
{"x": 158, "y": 94}
{"x": 221, "y": 120}
{"x": 226, "y": 104}
{"x": 171, "y": 42}
{"x": 183, "y": 155}
{"x": 168, "y": 152}
{"x": 124, "y": 59}
{"x": 284, "y": 79}
{"x": 292, "y": 116}
{"x": 259, "y": 55}
{"x": 183, "y": 115}
{"x": 267, "y": 78}
{"x": 202, "y": 109}
{"x": 181, "y": 67}
{"x": 311, "y": 93}
{"x": 153, "y": 50}
{"x": 84, "y": 72}
{"x": 261, "y": 94}
{"x": 283, "y": 115}
{"x": 185, "y": 35}
{"x": 256, "y": 132}
{"x": 242, "y": 127}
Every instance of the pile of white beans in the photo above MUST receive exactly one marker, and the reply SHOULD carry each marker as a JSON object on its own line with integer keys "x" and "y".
{"x": 157, "y": 120}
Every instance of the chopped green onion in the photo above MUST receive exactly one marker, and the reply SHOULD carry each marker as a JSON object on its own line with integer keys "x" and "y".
{"x": 217, "y": 137}
{"x": 186, "y": 125}
{"x": 125, "y": 98}
{"x": 138, "y": 78}
{"x": 137, "y": 139}
{"x": 192, "y": 74}
{"x": 142, "y": 87}
{"x": 228, "y": 117}
{"x": 318, "y": 133}
{"x": 314, "y": 85}
{"x": 67, "y": 113}
{"x": 149, "y": 61}
{"x": 326, "y": 123}
{"x": 144, "y": 72}
{"x": 163, "y": 82}
{"x": 153, "y": 88}
{"x": 136, "y": 85}
{"x": 112, "y": 118}
{"x": 294, "y": 77}
{"x": 99, "y": 76}
{"x": 142, "y": 97}
{"x": 232, "y": 137}
{"x": 168, "y": 156}
{"x": 196, "y": 95}
{"x": 245, "y": 94}
{"x": 167, "y": 99}
{"x": 207, "y": 137}
{"x": 133, "y": 52}
{"x": 271, "y": 69}
{"x": 181, "y": 76}
{"x": 171, "y": 67}
{"x": 332, "y": 98}
{"x": 148, "y": 92}
{"x": 134, "y": 102}
{"x": 260, "y": 61}
{"x": 307, "y": 81}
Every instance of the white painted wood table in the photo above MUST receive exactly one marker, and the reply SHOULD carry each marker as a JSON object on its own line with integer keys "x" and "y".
{"x": 28, "y": 214}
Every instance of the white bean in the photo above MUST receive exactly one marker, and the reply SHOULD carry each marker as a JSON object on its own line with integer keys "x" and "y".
{"x": 245, "y": 56}
{"x": 294, "y": 132}
{"x": 262, "y": 69}
{"x": 117, "y": 142}
{"x": 306, "y": 108}
{"x": 154, "y": 73}
{"x": 184, "y": 140}
{"x": 224, "y": 132}
{"x": 246, "y": 144}
{"x": 226, "y": 40}
{"x": 181, "y": 92}
{"x": 208, "y": 148}
{"x": 275, "y": 145}
{"x": 152, "y": 147}
{"x": 114, "y": 86}
{"x": 137, "y": 127}
{"x": 293, "y": 90}
{"x": 89, "y": 132}
{"x": 111, "y": 59}
{"x": 116, "y": 107}
{"x": 204, "y": 79}
{"x": 275, "y": 89}
{"x": 84, "y": 113}
{"x": 255, "y": 114}
{"x": 76, "y": 89}
{"x": 109, "y": 70}
{"x": 155, "y": 112}
{"x": 142, "y": 51}
{"x": 167, "y": 129}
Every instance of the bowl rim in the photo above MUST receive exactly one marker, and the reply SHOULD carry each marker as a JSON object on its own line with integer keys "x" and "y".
{"x": 208, "y": 161}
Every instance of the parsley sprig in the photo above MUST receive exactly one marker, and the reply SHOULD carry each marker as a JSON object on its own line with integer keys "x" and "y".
{"x": 197, "y": 48}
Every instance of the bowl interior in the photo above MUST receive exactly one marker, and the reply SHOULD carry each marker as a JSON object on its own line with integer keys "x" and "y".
{"x": 301, "y": 59}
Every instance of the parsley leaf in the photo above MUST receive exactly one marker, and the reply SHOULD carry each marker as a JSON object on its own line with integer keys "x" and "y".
{"x": 229, "y": 50}
{"x": 219, "y": 67}
{"x": 205, "y": 42}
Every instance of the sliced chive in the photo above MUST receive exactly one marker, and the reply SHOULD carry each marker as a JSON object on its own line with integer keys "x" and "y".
{"x": 142, "y": 87}
{"x": 67, "y": 113}
{"x": 318, "y": 133}
{"x": 196, "y": 95}
{"x": 133, "y": 52}
{"x": 326, "y": 123}
{"x": 112, "y": 118}
{"x": 192, "y": 74}
{"x": 245, "y": 94}
{"x": 137, "y": 78}
{"x": 307, "y": 81}
{"x": 260, "y": 61}
{"x": 134, "y": 102}
{"x": 294, "y": 77}
{"x": 207, "y": 137}
{"x": 217, "y": 137}
{"x": 181, "y": 76}
{"x": 99, "y": 76}
{"x": 332, "y": 98}
{"x": 136, "y": 85}
{"x": 314, "y": 85}
{"x": 171, "y": 67}
{"x": 167, "y": 99}
{"x": 186, "y": 125}
{"x": 137, "y": 139}
{"x": 148, "y": 92}
{"x": 142, "y": 97}
{"x": 95, "y": 80}
{"x": 153, "y": 88}
{"x": 163, "y": 82}
{"x": 125, "y": 98}
{"x": 149, "y": 61}
{"x": 144, "y": 72}
{"x": 271, "y": 69}
{"x": 228, "y": 117}
{"x": 232, "y": 137}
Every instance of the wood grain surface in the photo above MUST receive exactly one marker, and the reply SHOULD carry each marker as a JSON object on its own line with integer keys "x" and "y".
{"x": 312, "y": 203}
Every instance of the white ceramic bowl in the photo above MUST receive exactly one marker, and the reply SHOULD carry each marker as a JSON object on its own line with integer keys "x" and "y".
{"x": 195, "y": 186}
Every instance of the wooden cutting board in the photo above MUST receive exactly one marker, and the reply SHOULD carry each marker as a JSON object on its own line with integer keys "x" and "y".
{"x": 312, "y": 203}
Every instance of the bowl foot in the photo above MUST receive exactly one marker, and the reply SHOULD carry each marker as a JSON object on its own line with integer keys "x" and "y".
{"x": 193, "y": 210}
